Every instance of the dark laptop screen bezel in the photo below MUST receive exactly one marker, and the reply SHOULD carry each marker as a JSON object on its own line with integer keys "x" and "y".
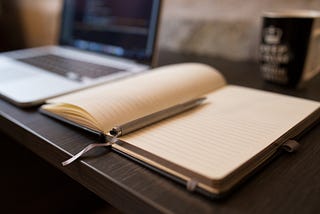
{"x": 150, "y": 56}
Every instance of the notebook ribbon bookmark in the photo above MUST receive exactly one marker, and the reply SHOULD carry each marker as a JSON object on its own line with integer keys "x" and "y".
{"x": 86, "y": 149}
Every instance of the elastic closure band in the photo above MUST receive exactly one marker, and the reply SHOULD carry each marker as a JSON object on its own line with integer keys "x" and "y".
{"x": 191, "y": 185}
{"x": 291, "y": 146}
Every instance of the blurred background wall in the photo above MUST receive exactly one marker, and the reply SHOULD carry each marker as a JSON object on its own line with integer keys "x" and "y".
{"x": 40, "y": 21}
{"x": 222, "y": 28}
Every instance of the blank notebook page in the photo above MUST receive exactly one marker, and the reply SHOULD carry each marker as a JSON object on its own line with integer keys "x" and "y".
{"x": 232, "y": 126}
{"x": 123, "y": 101}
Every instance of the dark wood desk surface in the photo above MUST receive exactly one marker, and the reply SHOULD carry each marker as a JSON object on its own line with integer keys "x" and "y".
{"x": 289, "y": 184}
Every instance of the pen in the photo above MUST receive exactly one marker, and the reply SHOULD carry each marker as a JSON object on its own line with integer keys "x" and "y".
{"x": 142, "y": 122}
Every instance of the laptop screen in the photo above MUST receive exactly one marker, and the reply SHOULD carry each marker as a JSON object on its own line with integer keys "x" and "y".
{"x": 124, "y": 28}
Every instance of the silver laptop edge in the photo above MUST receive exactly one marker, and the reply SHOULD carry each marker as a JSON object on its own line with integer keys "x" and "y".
{"x": 26, "y": 85}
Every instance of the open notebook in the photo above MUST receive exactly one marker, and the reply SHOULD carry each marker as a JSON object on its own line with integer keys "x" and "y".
{"x": 210, "y": 148}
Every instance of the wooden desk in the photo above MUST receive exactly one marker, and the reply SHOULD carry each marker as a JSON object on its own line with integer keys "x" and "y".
{"x": 288, "y": 184}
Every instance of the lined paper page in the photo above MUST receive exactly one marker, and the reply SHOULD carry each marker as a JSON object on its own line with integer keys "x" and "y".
{"x": 122, "y": 101}
{"x": 234, "y": 125}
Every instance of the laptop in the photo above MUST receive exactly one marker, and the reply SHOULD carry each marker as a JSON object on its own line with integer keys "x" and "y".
{"x": 99, "y": 41}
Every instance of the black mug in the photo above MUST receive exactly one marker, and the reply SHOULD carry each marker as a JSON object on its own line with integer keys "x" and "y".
{"x": 290, "y": 46}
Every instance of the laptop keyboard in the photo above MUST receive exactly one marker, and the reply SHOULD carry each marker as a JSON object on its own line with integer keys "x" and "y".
{"x": 70, "y": 68}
